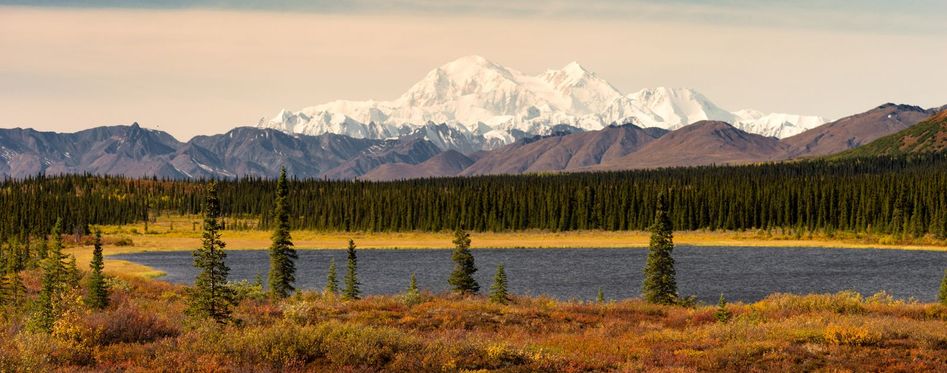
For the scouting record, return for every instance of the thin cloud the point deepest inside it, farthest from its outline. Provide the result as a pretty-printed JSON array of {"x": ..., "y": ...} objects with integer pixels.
[{"x": 873, "y": 16}]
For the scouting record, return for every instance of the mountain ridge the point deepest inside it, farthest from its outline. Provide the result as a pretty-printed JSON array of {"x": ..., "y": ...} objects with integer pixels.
[
  {"x": 491, "y": 102},
  {"x": 133, "y": 151}
]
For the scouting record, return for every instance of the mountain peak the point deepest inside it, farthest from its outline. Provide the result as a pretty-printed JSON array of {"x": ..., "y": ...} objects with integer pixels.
[
  {"x": 573, "y": 68},
  {"x": 472, "y": 59},
  {"x": 498, "y": 104},
  {"x": 468, "y": 64}
]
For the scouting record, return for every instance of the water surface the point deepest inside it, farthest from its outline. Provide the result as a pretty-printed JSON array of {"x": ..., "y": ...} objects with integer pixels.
[{"x": 740, "y": 273}]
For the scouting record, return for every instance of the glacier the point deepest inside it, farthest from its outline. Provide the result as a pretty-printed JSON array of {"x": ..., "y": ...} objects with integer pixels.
[{"x": 485, "y": 105}]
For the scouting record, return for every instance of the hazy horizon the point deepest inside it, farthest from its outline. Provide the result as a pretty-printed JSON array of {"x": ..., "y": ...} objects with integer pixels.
[{"x": 203, "y": 67}]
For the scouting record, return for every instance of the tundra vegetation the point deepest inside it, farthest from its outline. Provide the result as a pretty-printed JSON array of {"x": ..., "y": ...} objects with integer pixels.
[{"x": 58, "y": 317}]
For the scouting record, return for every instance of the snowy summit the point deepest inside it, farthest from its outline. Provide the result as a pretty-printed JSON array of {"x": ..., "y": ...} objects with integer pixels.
[{"x": 486, "y": 105}]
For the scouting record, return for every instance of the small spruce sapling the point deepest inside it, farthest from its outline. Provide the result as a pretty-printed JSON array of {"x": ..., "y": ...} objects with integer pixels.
[
  {"x": 412, "y": 296},
  {"x": 722, "y": 314},
  {"x": 498, "y": 291},
  {"x": 332, "y": 281},
  {"x": 942, "y": 296}
]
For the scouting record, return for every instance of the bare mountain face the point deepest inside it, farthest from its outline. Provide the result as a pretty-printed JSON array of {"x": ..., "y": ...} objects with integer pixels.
[
  {"x": 568, "y": 152},
  {"x": 701, "y": 143},
  {"x": 928, "y": 136},
  {"x": 117, "y": 150},
  {"x": 137, "y": 152},
  {"x": 855, "y": 130},
  {"x": 448, "y": 163}
]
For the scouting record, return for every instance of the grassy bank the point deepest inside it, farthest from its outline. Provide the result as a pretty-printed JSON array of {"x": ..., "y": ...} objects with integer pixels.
[{"x": 145, "y": 329}]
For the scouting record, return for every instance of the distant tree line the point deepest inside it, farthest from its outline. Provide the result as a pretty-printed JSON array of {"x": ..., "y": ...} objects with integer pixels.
[{"x": 890, "y": 195}]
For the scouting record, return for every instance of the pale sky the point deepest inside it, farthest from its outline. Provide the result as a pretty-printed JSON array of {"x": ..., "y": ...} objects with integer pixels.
[{"x": 203, "y": 67}]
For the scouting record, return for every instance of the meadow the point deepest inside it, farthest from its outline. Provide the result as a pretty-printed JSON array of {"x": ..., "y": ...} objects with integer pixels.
[{"x": 145, "y": 329}]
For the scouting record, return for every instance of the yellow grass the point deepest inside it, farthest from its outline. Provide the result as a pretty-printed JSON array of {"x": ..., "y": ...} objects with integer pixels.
[{"x": 176, "y": 233}]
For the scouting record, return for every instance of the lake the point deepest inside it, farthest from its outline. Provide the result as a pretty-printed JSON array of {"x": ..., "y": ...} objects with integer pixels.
[{"x": 740, "y": 273}]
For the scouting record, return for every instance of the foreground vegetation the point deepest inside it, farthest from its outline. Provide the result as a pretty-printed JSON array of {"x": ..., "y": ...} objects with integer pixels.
[{"x": 145, "y": 328}]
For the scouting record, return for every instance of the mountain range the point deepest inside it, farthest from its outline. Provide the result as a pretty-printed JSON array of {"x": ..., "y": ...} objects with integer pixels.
[
  {"x": 485, "y": 105},
  {"x": 134, "y": 151}
]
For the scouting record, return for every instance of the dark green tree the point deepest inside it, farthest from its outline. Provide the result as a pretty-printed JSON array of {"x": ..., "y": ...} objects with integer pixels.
[
  {"x": 282, "y": 254},
  {"x": 659, "y": 284},
  {"x": 351, "y": 275},
  {"x": 56, "y": 279},
  {"x": 498, "y": 291},
  {"x": 211, "y": 297},
  {"x": 722, "y": 314},
  {"x": 461, "y": 279},
  {"x": 98, "y": 295},
  {"x": 12, "y": 291},
  {"x": 942, "y": 296},
  {"x": 332, "y": 282},
  {"x": 413, "y": 295},
  {"x": 413, "y": 286}
]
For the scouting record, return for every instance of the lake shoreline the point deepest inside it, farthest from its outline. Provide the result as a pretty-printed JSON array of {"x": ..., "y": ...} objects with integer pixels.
[{"x": 162, "y": 236}]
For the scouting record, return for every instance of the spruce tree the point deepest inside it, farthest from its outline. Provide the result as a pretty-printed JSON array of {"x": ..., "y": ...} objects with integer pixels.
[
  {"x": 722, "y": 314},
  {"x": 660, "y": 285},
  {"x": 332, "y": 282},
  {"x": 461, "y": 279},
  {"x": 211, "y": 296},
  {"x": 12, "y": 291},
  {"x": 600, "y": 297},
  {"x": 412, "y": 296},
  {"x": 98, "y": 296},
  {"x": 351, "y": 277},
  {"x": 54, "y": 282},
  {"x": 942, "y": 296},
  {"x": 42, "y": 251},
  {"x": 413, "y": 286},
  {"x": 498, "y": 292},
  {"x": 282, "y": 254}
]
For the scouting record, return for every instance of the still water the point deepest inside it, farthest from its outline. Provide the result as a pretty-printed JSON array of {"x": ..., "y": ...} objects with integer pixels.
[{"x": 740, "y": 273}]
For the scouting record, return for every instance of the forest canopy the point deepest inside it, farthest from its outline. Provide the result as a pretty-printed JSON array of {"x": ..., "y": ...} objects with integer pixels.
[{"x": 896, "y": 195}]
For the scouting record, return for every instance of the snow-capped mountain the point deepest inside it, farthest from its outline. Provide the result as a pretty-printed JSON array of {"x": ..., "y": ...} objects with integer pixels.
[{"x": 489, "y": 105}]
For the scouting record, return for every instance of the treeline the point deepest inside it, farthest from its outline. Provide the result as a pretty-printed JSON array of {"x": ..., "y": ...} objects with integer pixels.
[{"x": 892, "y": 195}]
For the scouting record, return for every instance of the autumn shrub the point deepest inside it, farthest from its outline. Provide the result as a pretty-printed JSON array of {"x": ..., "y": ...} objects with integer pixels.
[
  {"x": 124, "y": 241},
  {"x": 844, "y": 302},
  {"x": 353, "y": 345},
  {"x": 280, "y": 346},
  {"x": 128, "y": 323},
  {"x": 851, "y": 335},
  {"x": 246, "y": 290}
]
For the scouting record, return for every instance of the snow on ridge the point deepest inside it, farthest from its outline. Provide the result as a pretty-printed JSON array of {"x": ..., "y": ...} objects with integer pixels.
[{"x": 478, "y": 97}]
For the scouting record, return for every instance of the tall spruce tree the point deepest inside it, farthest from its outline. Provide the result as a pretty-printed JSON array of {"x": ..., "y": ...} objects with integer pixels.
[
  {"x": 98, "y": 295},
  {"x": 211, "y": 296},
  {"x": 461, "y": 279},
  {"x": 55, "y": 280},
  {"x": 282, "y": 254},
  {"x": 498, "y": 291},
  {"x": 351, "y": 276},
  {"x": 332, "y": 281},
  {"x": 660, "y": 285}
]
